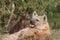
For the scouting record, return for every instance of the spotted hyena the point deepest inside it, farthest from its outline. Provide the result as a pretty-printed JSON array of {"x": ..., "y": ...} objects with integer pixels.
[
  {"x": 38, "y": 30},
  {"x": 41, "y": 24}
]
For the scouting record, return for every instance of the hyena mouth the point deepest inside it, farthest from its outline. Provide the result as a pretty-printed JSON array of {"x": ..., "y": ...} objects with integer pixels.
[{"x": 32, "y": 23}]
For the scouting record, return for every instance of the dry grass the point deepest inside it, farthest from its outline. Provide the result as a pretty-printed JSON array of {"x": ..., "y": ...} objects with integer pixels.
[{"x": 55, "y": 35}]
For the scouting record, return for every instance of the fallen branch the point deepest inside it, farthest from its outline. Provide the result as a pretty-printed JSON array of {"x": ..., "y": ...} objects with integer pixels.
[{"x": 13, "y": 8}]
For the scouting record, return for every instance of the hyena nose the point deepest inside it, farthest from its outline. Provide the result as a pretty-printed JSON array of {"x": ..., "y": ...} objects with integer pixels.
[{"x": 32, "y": 22}]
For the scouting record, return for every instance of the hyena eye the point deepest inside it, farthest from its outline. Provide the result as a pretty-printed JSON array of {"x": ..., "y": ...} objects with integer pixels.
[
  {"x": 44, "y": 18},
  {"x": 37, "y": 20}
]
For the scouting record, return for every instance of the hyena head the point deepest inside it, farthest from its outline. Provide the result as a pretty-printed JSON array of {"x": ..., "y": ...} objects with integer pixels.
[
  {"x": 26, "y": 16},
  {"x": 38, "y": 20},
  {"x": 41, "y": 23}
]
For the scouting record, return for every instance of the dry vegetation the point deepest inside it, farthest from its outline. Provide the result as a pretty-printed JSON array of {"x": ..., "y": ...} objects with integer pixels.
[{"x": 55, "y": 35}]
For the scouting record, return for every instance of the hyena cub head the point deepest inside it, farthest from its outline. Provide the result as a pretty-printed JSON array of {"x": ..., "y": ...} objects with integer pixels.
[{"x": 41, "y": 23}]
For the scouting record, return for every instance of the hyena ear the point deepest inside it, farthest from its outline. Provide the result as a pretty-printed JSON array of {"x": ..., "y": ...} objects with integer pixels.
[
  {"x": 45, "y": 18},
  {"x": 34, "y": 13}
]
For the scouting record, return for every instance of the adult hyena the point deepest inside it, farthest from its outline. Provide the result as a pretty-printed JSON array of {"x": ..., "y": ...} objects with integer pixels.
[
  {"x": 41, "y": 24},
  {"x": 38, "y": 30}
]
